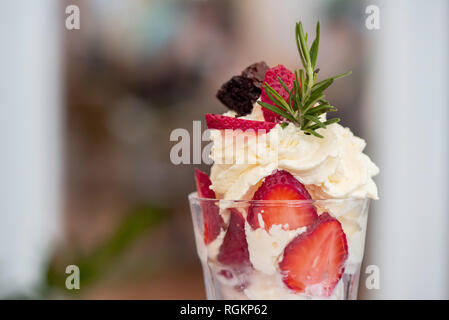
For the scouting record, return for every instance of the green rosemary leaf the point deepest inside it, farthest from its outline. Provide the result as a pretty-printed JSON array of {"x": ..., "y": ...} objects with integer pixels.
[
  {"x": 284, "y": 85},
  {"x": 316, "y": 134},
  {"x": 316, "y": 120},
  {"x": 315, "y": 45},
  {"x": 301, "y": 78},
  {"x": 341, "y": 75},
  {"x": 296, "y": 114},
  {"x": 294, "y": 96},
  {"x": 313, "y": 99},
  {"x": 304, "y": 47},
  {"x": 322, "y": 85},
  {"x": 332, "y": 78},
  {"x": 297, "y": 94},
  {"x": 298, "y": 44},
  {"x": 277, "y": 111},
  {"x": 273, "y": 95},
  {"x": 275, "y": 101},
  {"x": 326, "y": 123},
  {"x": 330, "y": 121},
  {"x": 288, "y": 91},
  {"x": 284, "y": 125},
  {"x": 297, "y": 89},
  {"x": 322, "y": 108}
]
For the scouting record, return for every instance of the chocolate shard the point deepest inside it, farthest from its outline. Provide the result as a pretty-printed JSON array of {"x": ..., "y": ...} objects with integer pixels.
[
  {"x": 256, "y": 72},
  {"x": 241, "y": 92}
]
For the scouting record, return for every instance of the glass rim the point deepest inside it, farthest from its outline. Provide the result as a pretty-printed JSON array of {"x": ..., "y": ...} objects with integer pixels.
[{"x": 194, "y": 196}]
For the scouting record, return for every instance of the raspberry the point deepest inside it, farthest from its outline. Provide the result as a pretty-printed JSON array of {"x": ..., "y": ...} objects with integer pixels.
[{"x": 271, "y": 78}]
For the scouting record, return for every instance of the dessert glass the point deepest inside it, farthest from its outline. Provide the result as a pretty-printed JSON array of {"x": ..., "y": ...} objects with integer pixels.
[{"x": 262, "y": 280}]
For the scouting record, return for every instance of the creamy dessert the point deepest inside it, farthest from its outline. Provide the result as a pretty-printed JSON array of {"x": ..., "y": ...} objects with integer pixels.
[{"x": 283, "y": 214}]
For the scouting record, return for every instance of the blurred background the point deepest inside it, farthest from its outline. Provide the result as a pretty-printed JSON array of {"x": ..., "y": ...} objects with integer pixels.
[{"x": 86, "y": 116}]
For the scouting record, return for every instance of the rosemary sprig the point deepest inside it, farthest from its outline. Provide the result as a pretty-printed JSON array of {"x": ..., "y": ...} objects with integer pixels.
[{"x": 306, "y": 100}]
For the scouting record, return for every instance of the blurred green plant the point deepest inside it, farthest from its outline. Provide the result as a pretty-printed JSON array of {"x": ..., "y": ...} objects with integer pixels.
[{"x": 137, "y": 223}]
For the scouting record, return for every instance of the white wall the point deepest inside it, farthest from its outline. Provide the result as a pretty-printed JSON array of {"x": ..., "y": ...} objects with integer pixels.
[
  {"x": 408, "y": 122},
  {"x": 30, "y": 113}
]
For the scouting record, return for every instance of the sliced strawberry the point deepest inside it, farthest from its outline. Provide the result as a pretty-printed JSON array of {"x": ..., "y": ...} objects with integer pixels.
[
  {"x": 213, "y": 222},
  {"x": 234, "y": 249},
  {"x": 314, "y": 261},
  {"x": 271, "y": 78},
  {"x": 281, "y": 185},
  {"x": 203, "y": 185},
  {"x": 216, "y": 121}
]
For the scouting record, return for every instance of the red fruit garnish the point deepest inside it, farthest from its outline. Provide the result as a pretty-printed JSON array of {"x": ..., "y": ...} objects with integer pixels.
[
  {"x": 271, "y": 78},
  {"x": 203, "y": 185},
  {"x": 216, "y": 121},
  {"x": 213, "y": 222},
  {"x": 281, "y": 185},
  {"x": 234, "y": 249},
  {"x": 316, "y": 258}
]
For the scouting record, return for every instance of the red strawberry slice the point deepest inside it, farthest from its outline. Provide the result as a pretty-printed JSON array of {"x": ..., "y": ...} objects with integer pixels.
[
  {"x": 314, "y": 261},
  {"x": 216, "y": 121},
  {"x": 281, "y": 185},
  {"x": 234, "y": 249},
  {"x": 203, "y": 185},
  {"x": 271, "y": 78},
  {"x": 213, "y": 222}
]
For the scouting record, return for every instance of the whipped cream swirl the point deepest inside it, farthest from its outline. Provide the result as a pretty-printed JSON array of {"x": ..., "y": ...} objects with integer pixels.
[{"x": 330, "y": 167}]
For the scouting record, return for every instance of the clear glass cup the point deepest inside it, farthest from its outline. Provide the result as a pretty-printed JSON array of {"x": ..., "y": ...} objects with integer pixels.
[{"x": 262, "y": 278}]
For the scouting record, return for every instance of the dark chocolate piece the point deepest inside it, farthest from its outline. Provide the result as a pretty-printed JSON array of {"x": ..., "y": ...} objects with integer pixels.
[{"x": 239, "y": 94}]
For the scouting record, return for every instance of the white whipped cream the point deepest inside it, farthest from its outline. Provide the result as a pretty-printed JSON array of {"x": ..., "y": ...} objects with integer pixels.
[
  {"x": 265, "y": 248},
  {"x": 330, "y": 167},
  {"x": 271, "y": 287}
]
